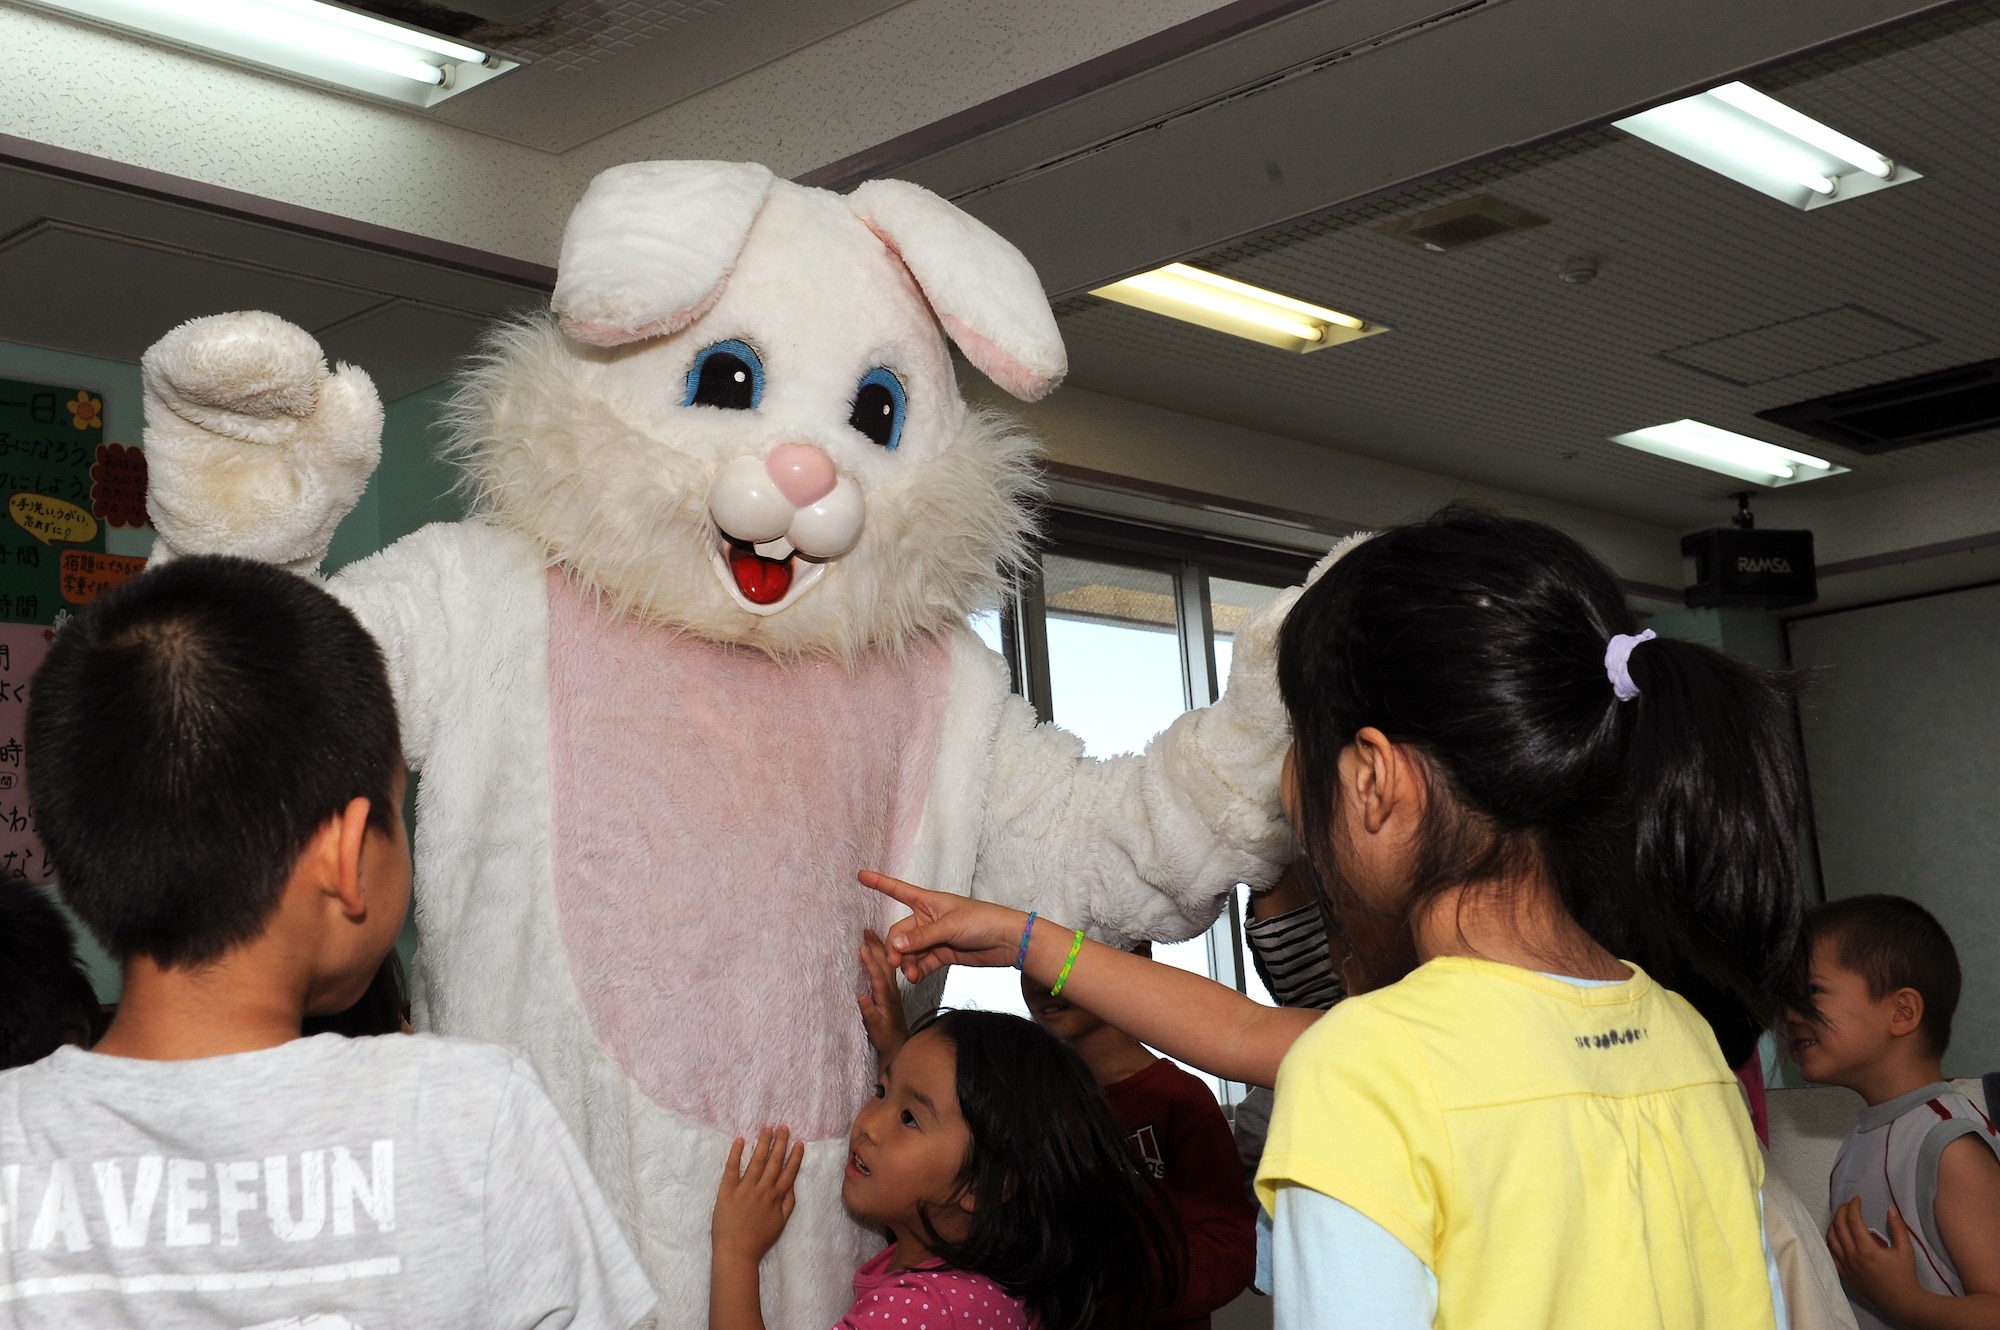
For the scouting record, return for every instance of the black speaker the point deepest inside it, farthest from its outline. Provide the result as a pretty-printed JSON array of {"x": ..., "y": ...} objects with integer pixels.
[{"x": 1752, "y": 570}]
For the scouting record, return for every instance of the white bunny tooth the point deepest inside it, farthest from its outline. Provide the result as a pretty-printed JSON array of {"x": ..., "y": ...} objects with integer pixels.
[
  {"x": 774, "y": 549},
  {"x": 745, "y": 502},
  {"x": 829, "y": 528}
]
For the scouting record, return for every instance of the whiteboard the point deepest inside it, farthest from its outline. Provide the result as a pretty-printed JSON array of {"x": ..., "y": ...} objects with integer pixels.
[{"x": 1902, "y": 744}]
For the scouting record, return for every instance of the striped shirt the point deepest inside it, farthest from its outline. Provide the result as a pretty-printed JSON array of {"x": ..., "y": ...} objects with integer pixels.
[{"x": 1292, "y": 958}]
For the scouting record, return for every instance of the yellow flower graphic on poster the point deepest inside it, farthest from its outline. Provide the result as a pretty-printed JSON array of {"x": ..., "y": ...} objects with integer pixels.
[{"x": 86, "y": 412}]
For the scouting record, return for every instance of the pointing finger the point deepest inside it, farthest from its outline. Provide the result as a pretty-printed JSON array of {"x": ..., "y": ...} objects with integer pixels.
[{"x": 908, "y": 893}]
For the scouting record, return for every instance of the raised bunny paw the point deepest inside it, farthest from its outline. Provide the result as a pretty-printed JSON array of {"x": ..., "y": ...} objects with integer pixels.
[{"x": 253, "y": 448}]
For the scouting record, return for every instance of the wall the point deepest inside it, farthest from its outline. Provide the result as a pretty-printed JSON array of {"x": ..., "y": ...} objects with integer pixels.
[
  {"x": 1902, "y": 735},
  {"x": 1751, "y": 635},
  {"x": 124, "y": 420},
  {"x": 411, "y": 488}
]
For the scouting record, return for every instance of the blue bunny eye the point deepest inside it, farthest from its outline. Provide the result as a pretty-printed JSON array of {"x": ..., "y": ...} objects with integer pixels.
[
  {"x": 879, "y": 407},
  {"x": 728, "y": 375}
]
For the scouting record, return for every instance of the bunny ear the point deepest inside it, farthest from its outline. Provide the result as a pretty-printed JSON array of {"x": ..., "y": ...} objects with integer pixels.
[
  {"x": 983, "y": 290},
  {"x": 650, "y": 245}
]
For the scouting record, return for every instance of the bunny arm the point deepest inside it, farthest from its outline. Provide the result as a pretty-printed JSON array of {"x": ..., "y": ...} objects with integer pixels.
[
  {"x": 253, "y": 448},
  {"x": 1143, "y": 846}
]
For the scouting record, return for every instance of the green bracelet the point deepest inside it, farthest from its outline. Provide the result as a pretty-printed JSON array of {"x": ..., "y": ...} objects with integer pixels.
[{"x": 1068, "y": 965}]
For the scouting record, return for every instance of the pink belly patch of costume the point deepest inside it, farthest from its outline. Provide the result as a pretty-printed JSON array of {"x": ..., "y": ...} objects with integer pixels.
[{"x": 711, "y": 808}]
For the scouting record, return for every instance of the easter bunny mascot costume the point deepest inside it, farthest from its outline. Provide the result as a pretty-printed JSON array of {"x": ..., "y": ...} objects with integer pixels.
[{"x": 702, "y": 652}]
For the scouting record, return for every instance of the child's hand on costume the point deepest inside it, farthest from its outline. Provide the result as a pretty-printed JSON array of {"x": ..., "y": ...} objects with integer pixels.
[
  {"x": 882, "y": 1006},
  {"x": 1885, "y": 1275},
  {"x": 945, "y": 929},
  {"x": 753, "y": 1203}
]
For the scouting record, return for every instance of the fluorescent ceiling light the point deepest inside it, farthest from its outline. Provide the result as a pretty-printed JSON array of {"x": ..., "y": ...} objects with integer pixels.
[
  {"x": 1736, "y": 455},
  {"x": 1756, "y": 140},
  {"x": 322, "y": 42},
  {"x": 1213, "y": 301}
]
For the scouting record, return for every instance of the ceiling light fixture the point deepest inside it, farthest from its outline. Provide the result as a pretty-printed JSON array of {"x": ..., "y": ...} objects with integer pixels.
[
  {"x": 322, "y": 42},
  {"x": 1732, "y": 454},
  {"x": 1213, "y": 301},
  {"x": 1756, "y": 140}
]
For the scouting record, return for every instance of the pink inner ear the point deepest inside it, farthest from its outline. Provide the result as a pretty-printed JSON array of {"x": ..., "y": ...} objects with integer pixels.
[
  {"x": 1010, "y": 374},
  {"x": 599, "y": 333},
  {"x": 602, "y": 332},
  {"x": 1016, "y": 378}
]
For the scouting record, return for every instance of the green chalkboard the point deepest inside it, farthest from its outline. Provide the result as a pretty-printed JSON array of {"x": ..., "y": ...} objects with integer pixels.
[{"x": 61, "y": 486}]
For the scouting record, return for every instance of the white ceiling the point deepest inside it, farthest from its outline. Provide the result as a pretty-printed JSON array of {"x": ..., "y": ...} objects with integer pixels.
[
  {"x": 1711, "y": 300},
  {"x": 591, "y": 66},
  {"x": 1497, "y": 371}
]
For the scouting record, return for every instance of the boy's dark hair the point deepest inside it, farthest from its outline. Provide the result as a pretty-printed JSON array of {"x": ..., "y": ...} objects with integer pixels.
[
  {"x": 1667, "y": 823},
  {"x": 1066, "y": 1219},
  {"x": 1894, "y": 943},
  {"x": 44, "y": 992},
  {"x": 188, "y": 733}
]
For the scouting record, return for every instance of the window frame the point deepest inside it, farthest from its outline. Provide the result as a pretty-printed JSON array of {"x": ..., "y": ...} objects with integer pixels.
[{"x": 1191, "y": 559}]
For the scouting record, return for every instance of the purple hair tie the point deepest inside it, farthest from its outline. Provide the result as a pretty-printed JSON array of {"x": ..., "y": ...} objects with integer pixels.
[{"x": 1617, "y": 663}]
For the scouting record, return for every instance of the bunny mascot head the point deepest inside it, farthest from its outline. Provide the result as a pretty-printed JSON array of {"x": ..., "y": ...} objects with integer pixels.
[
  {"x": 712, "y": 402},
  {"x": 701, "y": 653}
]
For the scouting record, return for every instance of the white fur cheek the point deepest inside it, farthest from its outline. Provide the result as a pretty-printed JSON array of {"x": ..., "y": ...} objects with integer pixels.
[
  {"x": 831, "y": 527},
  {"x": 745, "y": 503}
]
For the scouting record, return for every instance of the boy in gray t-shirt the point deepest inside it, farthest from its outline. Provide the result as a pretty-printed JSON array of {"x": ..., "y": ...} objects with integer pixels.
[
  {"x": 1916, "y": 1188},
  {"x": 214, "y": 765}
]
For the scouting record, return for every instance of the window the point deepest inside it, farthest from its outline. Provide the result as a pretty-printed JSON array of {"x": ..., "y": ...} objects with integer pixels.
[{"x": 1121, "y": 631}]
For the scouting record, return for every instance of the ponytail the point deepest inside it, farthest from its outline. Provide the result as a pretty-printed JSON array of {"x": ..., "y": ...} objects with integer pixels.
[
  {"x": 1666, "y": 823},
  {"x": 1716, "y": 793}
]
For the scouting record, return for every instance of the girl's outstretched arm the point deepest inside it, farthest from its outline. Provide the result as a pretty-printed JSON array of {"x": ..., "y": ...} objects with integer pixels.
[{"x": 1184, "y": 1015}]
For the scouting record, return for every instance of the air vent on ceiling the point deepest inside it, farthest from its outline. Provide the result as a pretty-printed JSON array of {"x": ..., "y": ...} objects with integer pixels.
[
  {"x": 1923, "y": 409},
  {"x": 1457, "y": 225}
]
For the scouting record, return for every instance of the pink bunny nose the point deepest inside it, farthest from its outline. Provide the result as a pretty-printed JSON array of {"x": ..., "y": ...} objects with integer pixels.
[{"x": 803, "y": 473}]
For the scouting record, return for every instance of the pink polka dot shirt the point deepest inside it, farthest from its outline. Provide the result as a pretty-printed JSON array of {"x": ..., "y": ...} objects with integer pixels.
[{"x": 927, "y": 1298}]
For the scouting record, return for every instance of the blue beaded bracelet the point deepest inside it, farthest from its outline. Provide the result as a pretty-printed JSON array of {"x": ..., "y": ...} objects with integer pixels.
[{"x": 1026, "y": 933}]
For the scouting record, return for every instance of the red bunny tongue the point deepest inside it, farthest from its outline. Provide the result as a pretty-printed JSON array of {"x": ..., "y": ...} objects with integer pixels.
[{"x": 762, "y": 581}]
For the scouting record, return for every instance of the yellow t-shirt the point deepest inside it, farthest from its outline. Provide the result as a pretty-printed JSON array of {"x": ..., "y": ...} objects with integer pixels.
[{"x": 1557, "y": 1156}]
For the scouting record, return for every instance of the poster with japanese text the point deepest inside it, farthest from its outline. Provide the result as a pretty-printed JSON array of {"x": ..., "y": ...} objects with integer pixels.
[{"x": 62, "y": 486}]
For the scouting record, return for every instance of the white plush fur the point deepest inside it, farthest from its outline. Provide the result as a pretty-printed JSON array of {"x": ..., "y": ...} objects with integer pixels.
[
  {"x": 460, "y": 613},
  {"x": 253, "y": 446},
  {"x": 582, "y": 457},
  {"x": 983, "y": 289},
  {"x": 650, "y": 244}
]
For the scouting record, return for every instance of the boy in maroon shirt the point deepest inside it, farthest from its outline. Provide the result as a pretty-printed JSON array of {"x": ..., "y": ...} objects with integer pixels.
[{"x": 1183, "y": 1137}]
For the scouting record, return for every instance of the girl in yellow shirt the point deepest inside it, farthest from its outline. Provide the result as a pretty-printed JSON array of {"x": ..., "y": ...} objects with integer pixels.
[{"x": 1501, "y": 788}]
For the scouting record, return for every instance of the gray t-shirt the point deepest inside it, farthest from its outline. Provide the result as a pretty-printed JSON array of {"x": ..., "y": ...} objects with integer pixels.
[{"x": 326, "y": 1184}]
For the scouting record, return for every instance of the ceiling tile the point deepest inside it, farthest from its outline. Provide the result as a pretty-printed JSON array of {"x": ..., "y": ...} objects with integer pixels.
[
  {"x": 1823, "y": 340},
  {"x": 1497, "y": 371}
]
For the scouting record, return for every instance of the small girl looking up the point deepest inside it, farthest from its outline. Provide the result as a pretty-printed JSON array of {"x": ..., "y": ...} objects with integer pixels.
[
  {"x": 1560, "y": 854},
  {"x": 1011, "y": 1197}
]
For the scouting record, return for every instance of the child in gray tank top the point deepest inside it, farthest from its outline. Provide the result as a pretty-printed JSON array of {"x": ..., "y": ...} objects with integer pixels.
[
  {"x": 1916, "y": 1188},
  {"x": 215, "y": 767}
]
